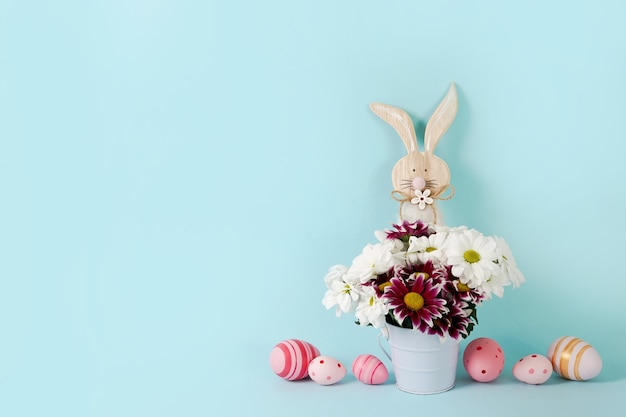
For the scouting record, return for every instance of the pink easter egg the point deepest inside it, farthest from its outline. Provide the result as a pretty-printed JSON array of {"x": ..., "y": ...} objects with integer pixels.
[
  {"x": 574, "y": 359},
  {"x": 533, "y": 369},
  {"x": 483, "y": 359},
  {"x": 326, "y": 370},
  {"x": 290, "y": 358},
  {"x": 369, "y": 370}
]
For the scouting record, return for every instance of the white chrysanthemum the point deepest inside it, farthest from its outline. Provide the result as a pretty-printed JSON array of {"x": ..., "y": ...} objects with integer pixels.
[
  {"x": 395, "y": 246},
  {"x": 427, "y": 248},
  {"x": 371, "y": 310},
  {"x": 335, "y": 273},
  {"x": 507, "y": 263},
  {"x": 340, "y": 293},
  {"x": 494, "y": 285},
  {"x": 439, "y": 228},
  {"x": 472, "y": 256},
  {"x": 375, "y": 259}
]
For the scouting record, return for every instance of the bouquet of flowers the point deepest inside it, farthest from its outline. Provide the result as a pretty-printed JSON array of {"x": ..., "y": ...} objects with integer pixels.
[{"x": 425, "y": 277}]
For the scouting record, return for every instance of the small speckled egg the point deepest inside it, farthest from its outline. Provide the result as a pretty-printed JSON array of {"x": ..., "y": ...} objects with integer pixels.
[
  {"x": 573, "y": 358},
  {"x": 483, "y": 359},
  {"x": 326, "y": 370},
  {"x": 290, "y": 358},
  {"x": 369, "y": 370},
  {"x": 533, "y": 369}
]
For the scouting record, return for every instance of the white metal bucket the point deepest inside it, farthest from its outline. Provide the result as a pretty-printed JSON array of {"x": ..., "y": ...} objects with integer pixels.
[{"x": 422, "y": 363}]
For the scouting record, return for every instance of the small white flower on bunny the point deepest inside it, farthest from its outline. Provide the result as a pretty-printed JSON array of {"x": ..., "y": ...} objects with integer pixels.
[{"x": 422, "y": 198}]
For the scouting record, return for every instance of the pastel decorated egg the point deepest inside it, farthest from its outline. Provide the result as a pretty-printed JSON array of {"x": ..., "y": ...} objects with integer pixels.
[
  {"x": 483, "y": 359},
  {"x": 533, "y": 369},
  {"x": 290, "y": 358},
  {"x": 573, "y": 358},
  {"x": 369, "y": 370},
  {"x": 326, "y": 370}
]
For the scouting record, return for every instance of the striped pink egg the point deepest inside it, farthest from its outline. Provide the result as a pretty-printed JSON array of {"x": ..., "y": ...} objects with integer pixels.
[
  {"x": 573, "y": 358},
  {"x": 290, "y": 359},
  {"x": 369, "y": 369}
]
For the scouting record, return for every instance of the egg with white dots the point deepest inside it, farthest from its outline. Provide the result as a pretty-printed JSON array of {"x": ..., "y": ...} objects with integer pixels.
[
  {"x": 534, "y": 369},
  {"x": 326, "y": 370},
  {"x": 574, "y": 359}
]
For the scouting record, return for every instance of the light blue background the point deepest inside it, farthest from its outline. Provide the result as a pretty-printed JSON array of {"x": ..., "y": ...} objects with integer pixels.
[{"x": 178, "y": 176}]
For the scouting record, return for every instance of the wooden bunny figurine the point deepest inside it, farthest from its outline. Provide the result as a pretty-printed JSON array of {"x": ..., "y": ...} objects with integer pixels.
[{"x": 420, "y": 178}]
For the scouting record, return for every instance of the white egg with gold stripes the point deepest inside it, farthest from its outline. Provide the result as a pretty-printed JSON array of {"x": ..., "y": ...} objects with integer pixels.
[{"x": 574, "y": 359}]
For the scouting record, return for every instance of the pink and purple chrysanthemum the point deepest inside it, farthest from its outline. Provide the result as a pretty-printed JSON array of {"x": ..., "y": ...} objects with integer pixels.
[
  {"x": 460, "y": 292},
  {"x": 455, "y": 324},
  {"x": 382, "y": 281},
  {"x": 416, "y": 299},
  {"x": 405, "y": 230},
  {"x": 409, "y": 269}
]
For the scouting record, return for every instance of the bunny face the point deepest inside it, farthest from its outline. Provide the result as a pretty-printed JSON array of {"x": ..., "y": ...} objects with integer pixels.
[{"x": 418, "y": 171}]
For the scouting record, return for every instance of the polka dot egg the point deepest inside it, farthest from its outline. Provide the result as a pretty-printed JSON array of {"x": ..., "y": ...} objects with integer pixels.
[
  {"x": 533, "y": 369},
  {"x": 290, "y": 358},
  {"x": 326, "y": 370},
  {"x": 483, "y": 359}
]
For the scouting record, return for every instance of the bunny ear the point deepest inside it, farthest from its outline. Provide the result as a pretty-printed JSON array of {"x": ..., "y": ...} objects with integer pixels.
[
  {"x": 441, "y": 120},
  {"x": 400, "y": 121}
]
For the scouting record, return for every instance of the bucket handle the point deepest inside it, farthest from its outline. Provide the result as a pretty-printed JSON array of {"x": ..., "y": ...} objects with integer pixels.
[{"x": 385, "y": 333}]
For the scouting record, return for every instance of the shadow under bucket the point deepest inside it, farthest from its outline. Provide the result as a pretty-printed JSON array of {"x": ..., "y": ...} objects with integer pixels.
[{"x": 422, "y": 363}]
